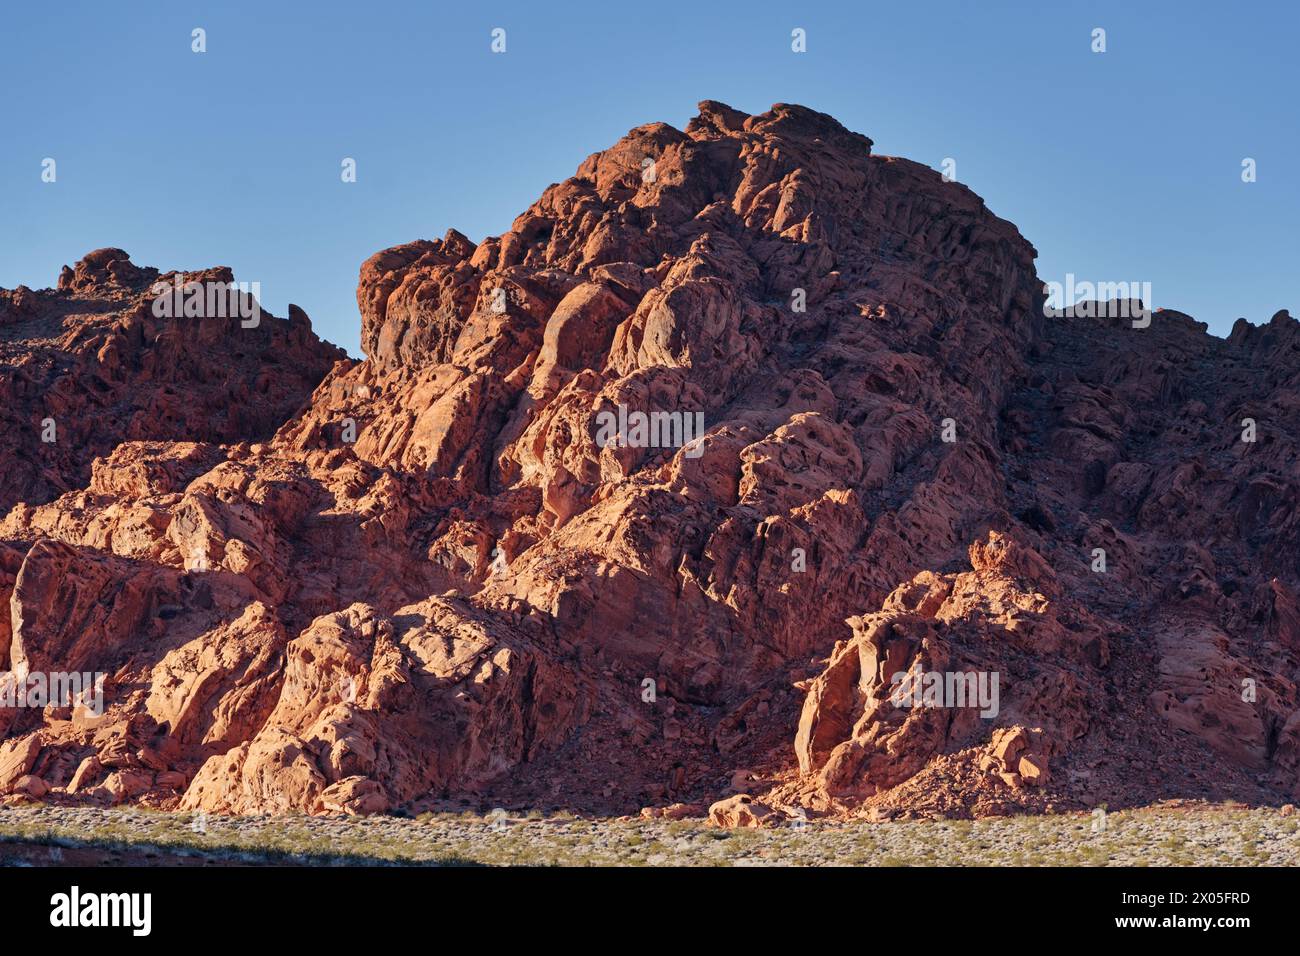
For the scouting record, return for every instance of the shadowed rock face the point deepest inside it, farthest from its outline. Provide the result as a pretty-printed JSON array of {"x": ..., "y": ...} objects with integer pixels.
[
  {"x": 440, "y": 581},
  {"x": 91, "y": 364}
]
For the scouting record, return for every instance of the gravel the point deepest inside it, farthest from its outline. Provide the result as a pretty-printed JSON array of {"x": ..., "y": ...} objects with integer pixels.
[{"x": 1203, "y": 835}]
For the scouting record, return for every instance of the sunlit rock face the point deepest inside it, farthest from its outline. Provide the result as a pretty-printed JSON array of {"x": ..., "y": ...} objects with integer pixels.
[{"x": 655, "y": 499}]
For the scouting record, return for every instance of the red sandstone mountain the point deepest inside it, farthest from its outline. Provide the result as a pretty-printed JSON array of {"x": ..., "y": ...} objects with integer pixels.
[{"x": 432, "y": 583}]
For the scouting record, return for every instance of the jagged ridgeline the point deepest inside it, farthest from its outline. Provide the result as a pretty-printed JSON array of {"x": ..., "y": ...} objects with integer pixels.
[{"x": 746, "y": 461}]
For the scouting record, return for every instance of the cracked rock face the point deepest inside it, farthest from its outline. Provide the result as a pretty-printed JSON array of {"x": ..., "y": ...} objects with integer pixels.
[{"x": 849, "y": 446}]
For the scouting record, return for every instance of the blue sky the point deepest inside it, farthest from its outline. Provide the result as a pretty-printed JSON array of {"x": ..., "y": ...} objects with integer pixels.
[{"x": 1118, "y": 166}]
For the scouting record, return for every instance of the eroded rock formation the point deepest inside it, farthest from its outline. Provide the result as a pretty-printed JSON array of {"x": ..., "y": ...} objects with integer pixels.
[{"x": 430, "y": 579}]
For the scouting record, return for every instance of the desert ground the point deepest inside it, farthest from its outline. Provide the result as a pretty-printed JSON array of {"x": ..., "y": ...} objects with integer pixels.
[{"x": 1178, "y": 835}]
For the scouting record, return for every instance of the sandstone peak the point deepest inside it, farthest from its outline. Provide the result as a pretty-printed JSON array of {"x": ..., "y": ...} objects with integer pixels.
[{"x": 661, "y": 493}]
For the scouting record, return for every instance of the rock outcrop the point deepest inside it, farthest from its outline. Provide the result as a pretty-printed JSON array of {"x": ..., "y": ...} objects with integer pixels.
[
  {"x": 658, "y": 499},
  {"x": 92, "y": 364}
]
